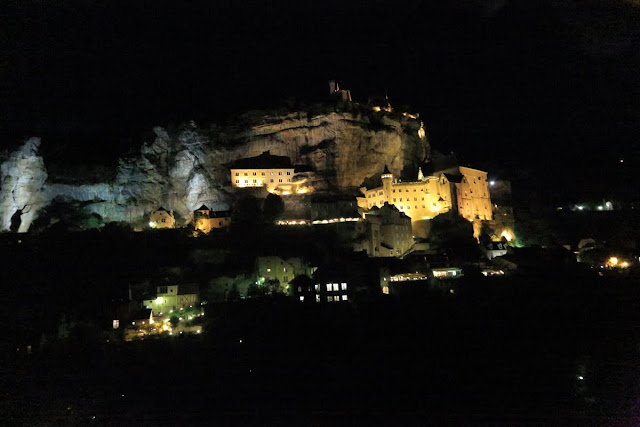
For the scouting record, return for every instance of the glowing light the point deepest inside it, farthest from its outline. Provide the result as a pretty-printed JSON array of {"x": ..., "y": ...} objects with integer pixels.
[
  {"x": 580, "y": 377},
  {"x": 613, "y": 261},
  {"x": 286, "y": 193},
  {"x": 376, "y": 108},
  {"x": 600, "y": 208},
  {"x": 507, "y": 235},
  {"x": 152, "y": 224},
  {"x": 159, "y": 300},
  {"x": 492, "y": 183},
  {"x": 624, "y": 264},
  {"x": 580, "y": 207}
]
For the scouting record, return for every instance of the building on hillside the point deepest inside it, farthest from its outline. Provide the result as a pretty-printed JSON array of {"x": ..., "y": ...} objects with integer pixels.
[
  {"x": 265, "y": 170},
  {"x": 281, "y": 269},
  {"x": 388, "y": 232},
  {"x": 205, "y": 220},
  {"x": 160, "y": 218},
  {"x": 462, "y": 189},
  {"x": 171, "y": 298}
]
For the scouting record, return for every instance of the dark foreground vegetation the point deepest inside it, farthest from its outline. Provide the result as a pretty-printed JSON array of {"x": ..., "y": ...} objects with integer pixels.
[{"x": 552, "y": 350}]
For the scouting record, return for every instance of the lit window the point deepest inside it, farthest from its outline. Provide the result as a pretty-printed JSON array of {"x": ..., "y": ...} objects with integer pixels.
[
  {"x": 317, "y": 288},
  {"x": 301, "y": 298},
  {"x": 336, "y": 298},
  {"x": 317, "y": 298},
  {"x": 335, "y": 286},
  {"x": 329, "y": 298},
  {"x": 328, "y": 287},
  {"x": 343, "y": 286},
  {"x": 344, "y": 297},
  {"x": 385, "y": 290}
]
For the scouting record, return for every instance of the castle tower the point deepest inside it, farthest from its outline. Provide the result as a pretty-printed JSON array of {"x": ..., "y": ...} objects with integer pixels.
[
  {"x": 387, "y": 181},
  {"x": 332, "y": 87}
]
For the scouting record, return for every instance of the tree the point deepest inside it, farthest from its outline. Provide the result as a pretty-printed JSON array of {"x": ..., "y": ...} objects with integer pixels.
[{"x": 273, "y": 208}]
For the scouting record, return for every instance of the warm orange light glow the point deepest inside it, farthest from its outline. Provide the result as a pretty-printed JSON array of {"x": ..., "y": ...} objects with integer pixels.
[
  {"x": 613, "y": 261},
  {"x": 507, "y": 235},
  {"x": 624, "y": 264}
]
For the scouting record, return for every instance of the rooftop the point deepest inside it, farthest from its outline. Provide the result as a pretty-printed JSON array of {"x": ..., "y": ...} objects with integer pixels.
[{"x": 264, "y": 161}]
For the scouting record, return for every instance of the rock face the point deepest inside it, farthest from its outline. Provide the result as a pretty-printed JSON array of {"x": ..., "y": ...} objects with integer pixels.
[
  {"x": 23, "y": 177},
  {"x": 183, "y": 171}
]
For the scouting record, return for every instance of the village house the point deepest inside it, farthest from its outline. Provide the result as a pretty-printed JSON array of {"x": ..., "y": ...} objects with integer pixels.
[
  {"x": 160, "y": 218},
  {"x": 283, "y": 270},
  {"x": 171, "y": 298},
  {"x": 205, "y": 220}
]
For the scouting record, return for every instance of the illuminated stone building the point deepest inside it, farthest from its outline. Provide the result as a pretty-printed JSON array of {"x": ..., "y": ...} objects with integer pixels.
[
  {"x": 274, "y": 173},
  {"x": 205, "y": 220},
  {"x": 388, "y": 232},
  {"x": 169, "y": 299},
  {"x": 462, "y": 189},
  {"x": 160, "y": 218},
  {"x": 265, "y": 170}
]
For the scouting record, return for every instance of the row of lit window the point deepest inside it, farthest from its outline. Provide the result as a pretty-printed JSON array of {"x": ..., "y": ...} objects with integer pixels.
[
  {"x": 263, "y": 173},
  {"x": 333, "y": 298},
  {"x": 334, "y": 287},
  {"x": 407, "y": 190},
  {"x": 255, "y": 181}
]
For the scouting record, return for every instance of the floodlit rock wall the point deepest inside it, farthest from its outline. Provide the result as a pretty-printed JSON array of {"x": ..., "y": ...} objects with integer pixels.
[{"x": 186, "y": 169}]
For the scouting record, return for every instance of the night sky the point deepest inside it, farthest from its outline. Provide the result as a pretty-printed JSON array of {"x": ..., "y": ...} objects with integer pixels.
[{"x": 542, "y": 92}]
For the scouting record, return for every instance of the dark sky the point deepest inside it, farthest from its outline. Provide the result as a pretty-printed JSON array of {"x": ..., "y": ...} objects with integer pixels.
[{"x": 538, "y": 91}]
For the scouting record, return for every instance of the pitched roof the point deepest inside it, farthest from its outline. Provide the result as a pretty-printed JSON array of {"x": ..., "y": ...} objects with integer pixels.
[
  {"x": 264, "y": 161},
  {"x": 203, "y": 208},
  {"x": 160, "y": 209}
]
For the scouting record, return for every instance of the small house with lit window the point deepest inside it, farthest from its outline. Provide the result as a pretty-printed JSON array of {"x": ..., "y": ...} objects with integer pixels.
[
  {"x": 205, "y": 220},
  {"x": 161, "y": 218}
]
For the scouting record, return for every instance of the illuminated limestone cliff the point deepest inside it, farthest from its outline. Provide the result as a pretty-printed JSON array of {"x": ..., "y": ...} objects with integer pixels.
[{"x": 184, "y": 170}]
